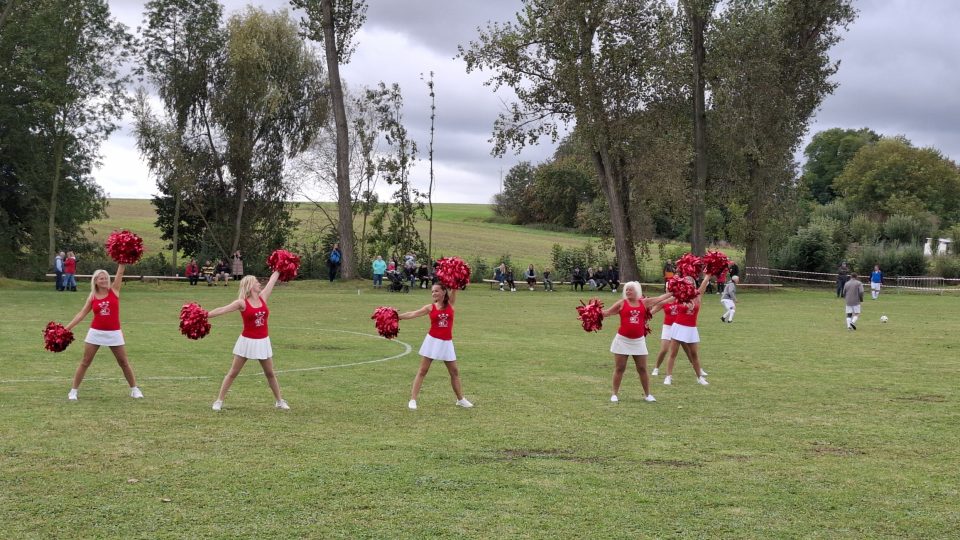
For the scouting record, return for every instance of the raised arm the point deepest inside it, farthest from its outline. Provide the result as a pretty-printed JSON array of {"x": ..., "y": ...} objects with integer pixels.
[
  {"x": 704, "y": 284},
  {"x": 236, "y": 305},
  {"x": 615, "y": 308},
  {"x": 268, "y": 288},
  {"x": 451, "y": 296},
  {"x": 82, "y": 313},
  {"x": 657, "y": 301},
  {"x": 414, "y": 314},
  {"x": 118, "y": 279}
]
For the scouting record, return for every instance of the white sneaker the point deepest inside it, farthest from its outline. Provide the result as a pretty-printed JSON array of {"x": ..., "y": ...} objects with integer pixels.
[
  {"x": 217, "y": 405},
  {"x": 513, "y": 290},
  {"x": 135, "y": 393},
  {"x": 650, "y": 398},
  {"x": 668, "y": 380},
  {"x": 655, "y": 372},
  {"x": 72, "y": 396},
  {"x": 282, "y": 405},
  {"x": 464, "y": 403},
  {"x": 412, "y": 404},
  {"x": 701, "y": 380},
  {"x": 614, "y": 399},
  {"x": 703, "y": 373}
]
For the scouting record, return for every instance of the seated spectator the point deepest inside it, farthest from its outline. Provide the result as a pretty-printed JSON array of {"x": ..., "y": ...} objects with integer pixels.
[
  {"x": 207, "y": 272},
  {"x": 613, "y": 276},
  {"x": 192, "y": 271},
  {"x": 591, "y": 278},
  {"x": 423, "y": 274},
  {"x": 508, "y": 277},
  {"x": 500, "y": 274},
  {"x": 600, "y": 276},
  {"x": 531, "y": 276},
  {"x": 547, "y": 283},
  {"x": 222, "y": 272},
  {"x": 576, "y": 278}
]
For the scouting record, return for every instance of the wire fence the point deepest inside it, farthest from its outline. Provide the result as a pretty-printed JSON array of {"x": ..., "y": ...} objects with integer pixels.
[{"x": 906, "y": 284}]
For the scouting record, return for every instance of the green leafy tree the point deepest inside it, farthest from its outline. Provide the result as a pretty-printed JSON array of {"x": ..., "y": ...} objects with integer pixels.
[
  {"x": 516, "y": 201},
  {"x": 827, "y": 154}
]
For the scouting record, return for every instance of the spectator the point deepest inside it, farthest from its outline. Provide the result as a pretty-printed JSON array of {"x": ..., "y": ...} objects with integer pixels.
[
  {"x": 591, "y": 279},
  {"x": 333, "y": 261},
  {"x": 500, "y": 274},
  {"x": 531, "y": 276},
  {"x": 69, "y": 271},
  {"x": 508, "y": 277},
  {"x": 843, "y": 274},
  {"x": 547, "y": 283},
  {"x": 207, "y": 271},
  {"x": 423, "y": 274},
  {"x": 576, "y": 278},
  {"x": 222, "y": 272},
  {"x": 600, "y": 276},
  {"x": 669, "y": 270},
  {"x": 236, "y": 265},
  {"x": 379, "y": 267},
  {"x": 734, "y": 270},
  {"x": 613, "y": 276},
  {"x": 58, "y": 269},
  {"x": 192, "y": 271},
  {"x": 392, "y": 265}
]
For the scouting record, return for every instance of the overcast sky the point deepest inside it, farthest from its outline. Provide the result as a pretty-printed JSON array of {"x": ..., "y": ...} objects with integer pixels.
[{"x": 898, "y": 76}]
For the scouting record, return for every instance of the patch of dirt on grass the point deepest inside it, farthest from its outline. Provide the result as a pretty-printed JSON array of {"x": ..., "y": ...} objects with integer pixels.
[
  {"x": 826, "y": 449},
  {"x": 925, "y": 398},
  {"x": 673, "y": 463}
]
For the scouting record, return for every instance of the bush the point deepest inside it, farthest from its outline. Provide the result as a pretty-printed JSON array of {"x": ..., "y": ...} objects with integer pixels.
[
  {"x": 812, "y": 249},
  {"x": 836, "y": 211},
  {"x": 894, "y": 259},
  {"x": 907, "y": 229},
  {"x": 946, "y": 266},
  {"x": 565, "y": 260},
  {"x": 479, "y": 269},
  {"x": 864, "y": 230}
]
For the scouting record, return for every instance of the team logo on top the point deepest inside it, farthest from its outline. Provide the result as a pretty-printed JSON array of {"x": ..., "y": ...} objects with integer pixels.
[
  {"x": 443, "y": 320},
  {"x": 104, "y": 308},
  {"x": 673, "y": 309},
  {"x": 259, "y": 319},
  {"x": 634, "y": 316}
]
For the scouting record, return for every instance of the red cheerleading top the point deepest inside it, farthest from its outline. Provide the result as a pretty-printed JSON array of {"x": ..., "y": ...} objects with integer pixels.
[
  {"x": 670, "y": 313},
  {"x": 687, "y": 315},
  {"x": 633, "y": 320},
  {"x": 441, "y": 322},
  {"x": 255, "y": 320},
  {"x": 70, "y": 266},
  {"x": 106, "y": 312}
]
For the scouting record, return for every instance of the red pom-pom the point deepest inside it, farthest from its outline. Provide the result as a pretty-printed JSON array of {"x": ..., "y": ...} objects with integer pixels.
[
  {"x": 284, "y": 262},
  {"x": 124, "y": 247},
  {"x": 56, "y": 337},
  {"x": 690, "y": 265},
  {"x": 682, "y": 290},
  {"x": 716, "y": 264},
  {"x": 591, "y": 315},
  {"x": 453, "y": 273},
  {"x": 193, "y": 321},
  {"x": 387, "y": 320}
]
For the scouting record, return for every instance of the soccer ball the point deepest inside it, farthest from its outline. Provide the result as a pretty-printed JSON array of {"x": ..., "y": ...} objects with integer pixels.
[{"x": 883, "y": 318}]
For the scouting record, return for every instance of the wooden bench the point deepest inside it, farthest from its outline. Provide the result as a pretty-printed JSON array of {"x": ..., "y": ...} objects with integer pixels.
[
  {"x": 148, "y": 279},
  {"x": 494, "y": 283}
]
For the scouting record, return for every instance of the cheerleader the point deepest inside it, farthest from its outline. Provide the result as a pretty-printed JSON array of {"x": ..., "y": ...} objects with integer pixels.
[
  {"x": 669, "y": 314},
  {"x": 438, "y": 345},
  {"x": 254, "y": 341},
  {"x": 630, "y": 339},
  {"x": 684, "y": 334},
  {"x": 104, "y": 301}
]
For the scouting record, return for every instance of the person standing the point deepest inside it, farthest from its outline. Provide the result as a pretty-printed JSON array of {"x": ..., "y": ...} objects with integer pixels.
[
  {"x": 379, "y": 267},
  {"x": 192, "y": 271},
  {"x": 669, "y": 314},
  {"x": 669, "y": 270},
  {"x": 734, "y": 270},
  {"x": 876, "y": 281},
  {"x": 104, "y": 301},
  {"x": 58, "y": 270},
  {"x": 729, "y": 299},
  {"x": 853, "y": 297},
  {"x": 69, "y": 271},
  {"x": 438, "y": 344},
  {"x": 254, "y": 340},
  {"x": 236, "y": 265},
  {"x": 630, "y": 339},
  {"x": 843, "y": 274},
  {"x": 684, "y": 334},
  {"x": 333, "y": 261}
]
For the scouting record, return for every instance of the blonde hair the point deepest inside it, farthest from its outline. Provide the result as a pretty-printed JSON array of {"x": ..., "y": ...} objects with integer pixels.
[
  {"x": 93, "y": 279},
  {"x": 632, "y": 284},
  {"x": 246, "y": 285}
]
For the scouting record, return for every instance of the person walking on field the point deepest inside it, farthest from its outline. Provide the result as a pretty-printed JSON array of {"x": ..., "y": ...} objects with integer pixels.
[
  {"x": 853, "y": 297},
  {"x": 630, "y": 339},
  {"x": 254, "y": 341},
  {"x": 876, "y": 281},
  {"x": 438, "y": 345},
  {"x": 729, "y": 299},
  {"x": 104, "y": 301}
]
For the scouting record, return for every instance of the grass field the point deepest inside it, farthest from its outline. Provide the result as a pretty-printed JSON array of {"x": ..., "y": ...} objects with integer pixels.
[
  {"x": 459, "y": 229},
  {"x": 807, "y": 429}
]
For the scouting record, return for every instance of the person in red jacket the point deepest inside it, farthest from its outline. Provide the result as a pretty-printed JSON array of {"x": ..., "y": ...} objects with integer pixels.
[
  {"x": 438, "y": 344},
  {"x": 254, "y": 341},
  {"x": 104, "y": 301},
  {"x": 69, "y": 271},
  {"x": 193, "y": 271},
  {"x": 630, "y": 339}
]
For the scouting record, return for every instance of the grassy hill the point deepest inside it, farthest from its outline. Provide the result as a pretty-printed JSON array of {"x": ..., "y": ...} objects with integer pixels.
[{"x": 458, "y": 229}]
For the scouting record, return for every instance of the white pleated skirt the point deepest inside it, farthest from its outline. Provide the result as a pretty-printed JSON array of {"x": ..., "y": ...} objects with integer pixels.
[
  {"x": 629, "y": 346},
  {"x": 665, "y": 332},
  {"x": 686, "y": 334},
  {"x": 438, "y": 349},
  {"x": 253, "y": 349},
  {"x": 108, "y": 338}
]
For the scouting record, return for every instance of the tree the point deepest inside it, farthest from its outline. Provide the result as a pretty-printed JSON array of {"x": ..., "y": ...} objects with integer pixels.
[
  {"x": 334, "y": 23},
  {"x": 515, "y": 201},
  {"x": 585, "y": 62},
  {"x": 894, "y": 177},
  {"x": 433, "y": 117},
  {"x": 827, "y": 154}
]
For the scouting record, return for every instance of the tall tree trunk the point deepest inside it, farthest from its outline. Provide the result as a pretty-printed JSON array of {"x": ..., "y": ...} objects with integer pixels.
[
  {"x": 176, "y": 229},
  {"x": 348, "y": 264},
  {"x": 51, "y": 218},
  {"x": 242, "y": 196},
  {"x": 613, "y": 189},
  {"x": 698, "y": 207},
  {"x": 757, "y": 254}
]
